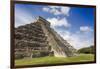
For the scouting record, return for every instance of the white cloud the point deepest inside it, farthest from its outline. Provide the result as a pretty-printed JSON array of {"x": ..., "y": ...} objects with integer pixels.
[
  {"x": 22, "y": 17},
  {"x": 56, "y": 10},
  {"x": 77, "y": 40},
  {"x": 46, "y": 9},
  {"x": 85, "y": 29},
  {"x": 59, "y": 22},
  {"x": 65, "y": 10}
]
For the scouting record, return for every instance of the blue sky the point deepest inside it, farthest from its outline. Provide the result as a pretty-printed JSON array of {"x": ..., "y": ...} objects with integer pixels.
[{"x": 74, "y": 24}]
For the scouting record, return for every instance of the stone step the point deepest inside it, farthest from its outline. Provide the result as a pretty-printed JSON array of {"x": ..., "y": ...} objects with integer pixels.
[{"x": 30, "y": 43}]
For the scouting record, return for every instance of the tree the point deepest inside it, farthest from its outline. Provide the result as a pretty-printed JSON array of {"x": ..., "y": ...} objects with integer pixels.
[{"x": 87, "y": 50}]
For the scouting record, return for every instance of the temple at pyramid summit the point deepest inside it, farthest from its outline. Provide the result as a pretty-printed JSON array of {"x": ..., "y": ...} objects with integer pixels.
[{"x": 38, "y": 39}]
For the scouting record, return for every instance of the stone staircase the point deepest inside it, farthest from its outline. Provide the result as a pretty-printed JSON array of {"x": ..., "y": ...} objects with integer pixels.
[{"x": 38, "y": 39}]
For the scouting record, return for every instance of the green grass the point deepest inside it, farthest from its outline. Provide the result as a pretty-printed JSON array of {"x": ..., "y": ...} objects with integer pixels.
[{"x": 55, "y": 60}]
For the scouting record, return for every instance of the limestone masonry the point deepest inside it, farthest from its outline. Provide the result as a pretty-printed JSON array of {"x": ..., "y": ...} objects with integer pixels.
[{"x": 38, "y": 39}]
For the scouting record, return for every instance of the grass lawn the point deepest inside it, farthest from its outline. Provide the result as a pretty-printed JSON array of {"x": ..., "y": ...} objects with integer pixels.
[{"x": 54, "y": 60}]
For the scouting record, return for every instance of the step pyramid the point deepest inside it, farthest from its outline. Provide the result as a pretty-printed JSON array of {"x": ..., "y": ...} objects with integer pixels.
[{"x": 38, "y": 39}]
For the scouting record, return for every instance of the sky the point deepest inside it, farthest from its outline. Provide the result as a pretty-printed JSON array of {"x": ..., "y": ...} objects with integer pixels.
[{"x": 74, "y": 24}]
